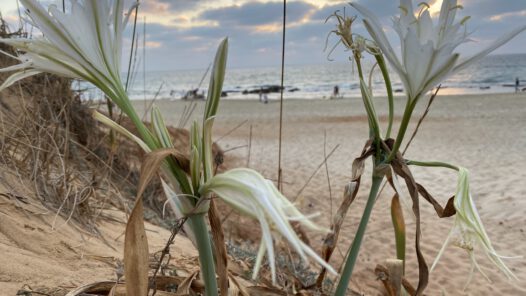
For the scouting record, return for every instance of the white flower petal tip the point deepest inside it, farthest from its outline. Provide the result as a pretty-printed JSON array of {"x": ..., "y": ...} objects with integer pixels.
[
  {"x": 427, "y": 48},
  {"x": 85, "y": 43},
  {"x": 251, "y": 194},
  {"x": 469, "y": 233}
]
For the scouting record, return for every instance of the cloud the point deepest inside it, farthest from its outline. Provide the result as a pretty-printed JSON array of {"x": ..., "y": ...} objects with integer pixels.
[
  {"x": 185, "y": 33},
  {"x": 254, "y": 14},
  {"x": 487, "y": 8},
  {"x": 504, "y": 16}
]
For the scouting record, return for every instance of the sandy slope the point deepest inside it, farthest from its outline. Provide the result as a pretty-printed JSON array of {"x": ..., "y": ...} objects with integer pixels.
[
  {"x": 33, "y": 254},
  {"x": 485, "y": 133}
]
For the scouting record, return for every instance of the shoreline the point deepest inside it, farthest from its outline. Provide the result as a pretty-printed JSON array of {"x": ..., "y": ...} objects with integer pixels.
[{"x": 273, "y": 97}]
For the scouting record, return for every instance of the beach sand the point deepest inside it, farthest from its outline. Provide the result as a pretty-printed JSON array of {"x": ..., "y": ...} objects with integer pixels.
[{"x": 484, "y": 133}]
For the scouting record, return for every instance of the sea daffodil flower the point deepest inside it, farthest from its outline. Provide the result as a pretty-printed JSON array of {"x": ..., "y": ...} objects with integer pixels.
[
  {"x": 85, "y": 43},
  {"x": 252, "y": 195},
  {"x": 352, "y": 41},
  {"x": 468, "y": 232},
  {"x": 428, "y": 49}
]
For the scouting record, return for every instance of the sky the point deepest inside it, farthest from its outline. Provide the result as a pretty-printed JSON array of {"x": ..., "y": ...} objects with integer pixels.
[{"x": 184, "y": 34}]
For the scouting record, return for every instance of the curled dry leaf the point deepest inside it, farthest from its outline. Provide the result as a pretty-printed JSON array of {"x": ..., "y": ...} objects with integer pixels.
[
  {"x": 403, "y": 171},
  {"x": 351, "y": 190}
]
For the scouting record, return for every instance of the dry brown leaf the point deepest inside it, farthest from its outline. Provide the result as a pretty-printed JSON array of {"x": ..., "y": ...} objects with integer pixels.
[
  {"x": 445, "y": 212},
  {"x": 219, "y": 246},
  {"x": 403, "y": 171},
  {"x": 185, "y": 287},
  {"x": 135, "y": 242},
  {"x": 383, "y": 274},
  {"x": 236, "y": 289},
  {"x": 97, "y": 287},
  {"x": 265, "y": 291},
  {"x": 136, "y": 252}
]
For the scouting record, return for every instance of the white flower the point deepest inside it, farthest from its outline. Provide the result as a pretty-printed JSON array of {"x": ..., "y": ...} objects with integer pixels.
[
  {"x": 428, "y": 49},
  {"x": 251, "y": 194},
  {"x": 468, "y": 231},
  {"x": 85, "y": 43}
]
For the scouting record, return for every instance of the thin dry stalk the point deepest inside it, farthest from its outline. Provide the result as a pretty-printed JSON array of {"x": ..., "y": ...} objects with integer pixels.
[{"x": 315, "y": 172}]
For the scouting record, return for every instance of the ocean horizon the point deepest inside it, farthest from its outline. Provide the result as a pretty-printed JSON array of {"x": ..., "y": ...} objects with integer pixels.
[{"x": 493, "y": 74}]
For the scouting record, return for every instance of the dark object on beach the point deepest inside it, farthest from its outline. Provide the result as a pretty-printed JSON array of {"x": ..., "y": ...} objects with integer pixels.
[
  {"x": 485, "y": 87},
  {"x": 263, "y": 97},
  {"x": 224, "y": 94},
  {"x": 517, "y": 83},
  {"x": 294, "y": 89},
  {"x": 398, "y": 90},
  {"x": 193, "y": 95},
  {"x": 523, "y": 89},
  {"x": 336, "y": 92},
  {"x": 265, "y": 89}
]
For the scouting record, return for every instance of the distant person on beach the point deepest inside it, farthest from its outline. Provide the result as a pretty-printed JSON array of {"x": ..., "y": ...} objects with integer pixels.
[
  {"x": 336, "y": 92},
  {"x": 263, "y": 96},
  {"x": 517, "y": 84}
]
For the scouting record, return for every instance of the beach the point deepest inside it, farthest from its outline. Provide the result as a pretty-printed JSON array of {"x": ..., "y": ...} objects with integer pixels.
[{"x": 484, "y": 133}]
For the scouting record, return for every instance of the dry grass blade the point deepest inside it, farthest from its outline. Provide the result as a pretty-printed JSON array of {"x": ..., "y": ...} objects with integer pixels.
[
  {"x": 315, "y": 171},
  {"x": 431, "y": 100},
  {"x": 166, "y": 251},
  {"x": 135, "y": 242}
]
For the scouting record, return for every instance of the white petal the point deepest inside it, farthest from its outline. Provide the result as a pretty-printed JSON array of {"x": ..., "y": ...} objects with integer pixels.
[
  {"x": 417, "y": 59},
  {"x": 447, "y": 14},
  {"x": 426, "y": 31},
  {"x": 375, "y": 29},
  {"x": 16, "y": 77},
  {"x": 317, "y": 258},
  {"x": 16, "y": 67},
  {"x": 437, "y": 74}
]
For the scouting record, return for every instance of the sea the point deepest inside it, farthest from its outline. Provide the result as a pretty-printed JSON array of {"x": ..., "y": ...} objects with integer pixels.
[{"x": 493, "y": 74}]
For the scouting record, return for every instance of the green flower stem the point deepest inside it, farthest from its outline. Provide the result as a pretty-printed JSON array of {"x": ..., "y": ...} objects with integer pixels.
[
  {"x": 409, "y": 107},
  {"x": 206, "y": 257},
  {"x": 357, "y": 242},
  {"x": 374, "y": 126},
  {"x": 385, "y": 73},
  {"x": 432, "y": 164}
]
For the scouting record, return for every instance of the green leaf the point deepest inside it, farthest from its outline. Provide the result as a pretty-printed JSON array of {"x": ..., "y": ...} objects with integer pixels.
[
  {"x": 120, "y": 129},
  {"x": 215, "y": 87},
  {"x": 159, "y": 127}
]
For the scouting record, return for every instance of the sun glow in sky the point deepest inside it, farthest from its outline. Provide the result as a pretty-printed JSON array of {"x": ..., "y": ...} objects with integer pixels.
[{"x": 434, "y": 8}]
